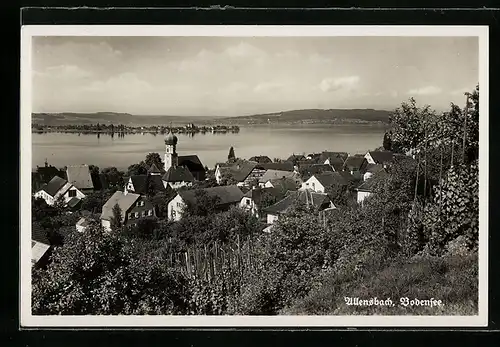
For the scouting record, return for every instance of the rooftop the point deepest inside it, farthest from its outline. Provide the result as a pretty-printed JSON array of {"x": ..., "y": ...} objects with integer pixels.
[
  {"x": 79, "y": 176},
  {"x": 125, "y": 201},
  {"x": 226, "y": 194},
  {"x": 304, "y": 196},
  {"x": 54, "y": 185}
]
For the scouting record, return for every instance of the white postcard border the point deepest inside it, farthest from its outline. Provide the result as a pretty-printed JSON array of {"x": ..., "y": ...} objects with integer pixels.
[{"x": 30, "y": 321}]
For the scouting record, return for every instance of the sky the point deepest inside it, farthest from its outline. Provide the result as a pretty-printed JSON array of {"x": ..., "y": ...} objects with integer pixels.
[{"x": 232, "y": 76}]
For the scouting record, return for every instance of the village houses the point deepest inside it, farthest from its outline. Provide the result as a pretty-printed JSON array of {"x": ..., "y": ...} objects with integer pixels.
[
  {"x": 133, "y": 208},
  {"x": 227, "y": 196},
  {"x": 319, "y": 201},
  {"x": 59, "y": 188}
]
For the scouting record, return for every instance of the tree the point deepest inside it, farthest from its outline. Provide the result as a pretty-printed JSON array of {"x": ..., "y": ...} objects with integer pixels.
[
  {"x": 231, "y": 156},
  {"x": 387, "y": 143},
  {"x": 114, "y": 177},
  {"x": 104, "y": 274},
  {"x": 137, "y": 169},
  {"x": 203, "y": 205},
  {"x": 153, "y": 158},
  {"x": 116, "y": 222}
]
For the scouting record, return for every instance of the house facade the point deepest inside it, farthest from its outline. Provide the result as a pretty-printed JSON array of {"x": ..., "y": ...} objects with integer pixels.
[
  {"x": 133, "y": 208},
  {"x": 319, "y": 201},
  {"x": 56, "y": 188},
  {"x": 227, "y": 196}
]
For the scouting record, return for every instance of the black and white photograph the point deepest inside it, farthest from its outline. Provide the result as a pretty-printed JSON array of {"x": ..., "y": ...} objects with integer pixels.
[{"x": 254, "y": 176}]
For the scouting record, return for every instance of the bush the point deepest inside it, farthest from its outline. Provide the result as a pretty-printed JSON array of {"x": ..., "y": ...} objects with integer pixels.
[{"x": 452, "y": 279}]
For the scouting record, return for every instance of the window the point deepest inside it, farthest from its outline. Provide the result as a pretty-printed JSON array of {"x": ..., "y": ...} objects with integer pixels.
[
  {"x": 150, "y": 212},
  {"x": 72, "y": 193},
  {"x": 173, "y": 213},
  {"x": 314, "y": 186},
  {"x": 140, "y": 203},
  {"x": 137, "y": 215},
  {"x": 179, "y": 204},
  {"x": 130, "y": 216},
  {"x": 248, "y": 201},
  {"x": 143, "y": 213}
]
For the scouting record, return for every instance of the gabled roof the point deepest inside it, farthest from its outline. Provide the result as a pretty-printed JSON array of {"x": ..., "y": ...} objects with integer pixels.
[
  {"x": 333, "y": 155},
  {"x": 284, "y": 184},
  {"x": 261, "y": 159},
  {"x": 276, "y": 174},
  {"x": 241, "y": 170},
  {"x": 54, "y": 185},
  {"x": 178, "y": 174},
  {"x": 227, "y": 194},
  {"x": 192, "y": 162},
  {"x": 310, "y": 170},
  {"x": 328, "y": 179},
  {"x": 304, "y": 196},
  {"x": 354, "y": 162},
  {"x": 141, "y": 182},
  {"x": 257, "y": 193},
  {"x": 284, "y": 166},
  {"x": 154, "y": 169},
  {"x": 370, "y": 183},
  {"x": 381, "y": 157},
  {"x": 79, "y": 176},
  {"x": 125, "y": 201},
  {"x": 336, "y": 162}
]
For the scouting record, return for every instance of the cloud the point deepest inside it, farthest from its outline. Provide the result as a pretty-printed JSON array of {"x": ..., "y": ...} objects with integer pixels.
[
  {"x": 461, "y": 91},
  {"x": 244, "y": 50},
  {"x": 319, "y": 59},
  {"x": 119, "y": 85},
  {"x": 332, "y": 84},
  {"x": 63, "y": 72},
  {"x": 429, "y": 90},
  {"x": 268, "y": 86}
]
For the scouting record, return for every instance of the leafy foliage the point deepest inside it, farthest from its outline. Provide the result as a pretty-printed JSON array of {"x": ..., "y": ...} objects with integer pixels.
[
  {"x": 153, "y": 158},
  {"x": 231, "y": 156},
  {"x": 116, "y": 222},
  {"x": 203, "y": 205}
]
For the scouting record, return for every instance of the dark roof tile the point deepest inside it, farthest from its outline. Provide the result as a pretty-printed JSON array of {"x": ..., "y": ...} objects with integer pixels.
[
  {"x": 55, "y": 184},
  {"x": 178, "y": 174},
  {"x": 226, "y": 194}
]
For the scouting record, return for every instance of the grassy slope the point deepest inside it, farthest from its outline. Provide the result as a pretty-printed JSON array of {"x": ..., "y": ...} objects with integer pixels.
[{"x": 452, "y": 279}]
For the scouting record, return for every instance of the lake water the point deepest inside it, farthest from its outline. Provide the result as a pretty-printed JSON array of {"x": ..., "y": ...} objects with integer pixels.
[{"x": 62, "y": 149}]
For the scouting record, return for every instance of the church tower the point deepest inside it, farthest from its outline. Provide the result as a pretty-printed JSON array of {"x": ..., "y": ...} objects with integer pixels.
[{"x": 170, "y": 151}]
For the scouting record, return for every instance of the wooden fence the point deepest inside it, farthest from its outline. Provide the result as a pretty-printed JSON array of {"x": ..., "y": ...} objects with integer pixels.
[{"x": 209, "y": 260}]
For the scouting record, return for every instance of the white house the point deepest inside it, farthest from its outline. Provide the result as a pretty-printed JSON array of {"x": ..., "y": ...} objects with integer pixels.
[
  {"x": 272, "y": 175},
  {"x": 133, "y": 207},
  {"x": 319, "y": 201},
  {"x": 56, "y": 188},
  {"x": 371, "y": 170},
  {"x": 227, "y": 196},
  {"x": 379, "y": 157},
  {"x": 366, "y": 189},
  {"x": 320, "y": 182},
  {"x": 177, "y": 177}
]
